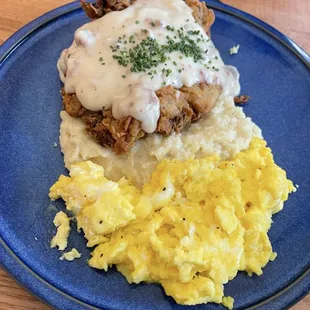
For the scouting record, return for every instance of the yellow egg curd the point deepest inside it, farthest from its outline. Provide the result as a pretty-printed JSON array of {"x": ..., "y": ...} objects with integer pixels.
[{"x": 191, "y": 228}]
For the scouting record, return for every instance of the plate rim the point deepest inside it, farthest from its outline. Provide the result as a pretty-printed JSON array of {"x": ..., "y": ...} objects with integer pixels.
[{"x": 55, "y": 297}]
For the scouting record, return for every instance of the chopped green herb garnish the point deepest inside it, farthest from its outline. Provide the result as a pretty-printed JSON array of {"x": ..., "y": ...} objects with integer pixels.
[
  {"x": 148, "y": 53},
  {"x": 169, "y": 71},
  {"x": 137, "y": 22}
]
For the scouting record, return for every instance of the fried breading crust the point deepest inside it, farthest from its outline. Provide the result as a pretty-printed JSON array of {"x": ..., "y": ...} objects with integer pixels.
[
  {"x": 178, "y": 108},
  {"x": 203, "y": 16},
  {"x": 242, "y": 99},
  {"x": 102, "y": 7}
]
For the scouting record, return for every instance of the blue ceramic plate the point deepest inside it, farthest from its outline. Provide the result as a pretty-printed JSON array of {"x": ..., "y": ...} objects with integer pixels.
[{"x": 274, "y": 71}]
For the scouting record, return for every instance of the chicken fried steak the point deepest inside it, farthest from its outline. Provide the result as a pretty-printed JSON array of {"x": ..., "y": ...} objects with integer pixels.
[{"x": 178, "y": 107}]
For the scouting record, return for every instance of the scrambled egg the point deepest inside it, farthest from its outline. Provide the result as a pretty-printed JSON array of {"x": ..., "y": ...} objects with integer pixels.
[
  {"x": 62, "y": 222},
  {"x": 191, "y": 228},
  {"x": 71, "y": 255}
]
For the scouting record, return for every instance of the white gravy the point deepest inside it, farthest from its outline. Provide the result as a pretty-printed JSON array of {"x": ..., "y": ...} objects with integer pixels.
[{"x": 88, "y": 68}]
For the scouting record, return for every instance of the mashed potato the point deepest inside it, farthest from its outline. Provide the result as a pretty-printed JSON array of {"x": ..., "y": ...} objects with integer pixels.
[
  {"x": 193, "y": 226},
  {"x": 224, "y": 132}
]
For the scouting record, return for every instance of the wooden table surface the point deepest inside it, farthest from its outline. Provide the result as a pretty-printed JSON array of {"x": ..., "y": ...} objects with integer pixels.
[{"x": 290, "y": 17}]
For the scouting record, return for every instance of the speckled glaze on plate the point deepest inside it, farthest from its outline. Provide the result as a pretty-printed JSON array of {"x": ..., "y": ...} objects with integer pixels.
[{"x": 274, "y": 72}]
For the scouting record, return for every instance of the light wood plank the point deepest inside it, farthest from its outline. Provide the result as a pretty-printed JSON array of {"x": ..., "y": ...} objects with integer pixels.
[{"x": 289, "y": 17}]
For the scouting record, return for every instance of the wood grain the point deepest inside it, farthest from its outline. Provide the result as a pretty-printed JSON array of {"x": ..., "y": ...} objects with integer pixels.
[
  {"x": 14, "y": 297},
  {"x": 290, "y": 17}
]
